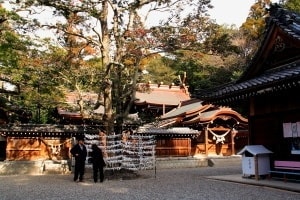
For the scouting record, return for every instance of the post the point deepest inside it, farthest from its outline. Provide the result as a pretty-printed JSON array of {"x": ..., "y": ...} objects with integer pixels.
[
  {"x": 206, "y": 141},
  {"x": 256, "y": 167},
  {"x": 233, "y": 133}
]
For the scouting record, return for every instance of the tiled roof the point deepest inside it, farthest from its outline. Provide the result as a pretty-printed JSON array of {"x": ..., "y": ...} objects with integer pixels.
[
  {"x": 179, "y": 131},
  {"x": 193, "y": 113},
  {"x": 183, "y": 110},
  {"x": 73, "y": 97},
  {"x": 6, "y": 86},
  {"x": 218, "y": 112},
  {"x": 162, "y": 95},
  {"x": 274, "y": 80},
  {"x": 47, "y": 130},
  {"x": 153, "y": 94},
  {"x": 287, "y": 20}
]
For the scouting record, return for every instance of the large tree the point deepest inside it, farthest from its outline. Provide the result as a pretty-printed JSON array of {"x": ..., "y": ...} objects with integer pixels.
[{"x": 119, "y": 36}]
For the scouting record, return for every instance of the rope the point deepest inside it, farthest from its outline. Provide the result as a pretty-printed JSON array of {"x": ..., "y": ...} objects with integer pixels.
[{"x": 219, "y": 138}]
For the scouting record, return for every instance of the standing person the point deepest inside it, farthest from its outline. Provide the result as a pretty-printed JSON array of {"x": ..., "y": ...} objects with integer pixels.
[
  {"x": 98, "y": 163},
  {"x": 79, "y": 152}
]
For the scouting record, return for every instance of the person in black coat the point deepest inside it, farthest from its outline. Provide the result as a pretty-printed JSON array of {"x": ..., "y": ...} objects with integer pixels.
[
  {"x": 79, "y": 152},
  {"x": 98, "y": 163}
]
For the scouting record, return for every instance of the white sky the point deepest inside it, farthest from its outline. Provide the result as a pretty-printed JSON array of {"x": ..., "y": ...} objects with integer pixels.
[
  {"x": 228, "y": 11},
  {"x": 224, "y": 12},
  {"x": 231, "y": 11}
]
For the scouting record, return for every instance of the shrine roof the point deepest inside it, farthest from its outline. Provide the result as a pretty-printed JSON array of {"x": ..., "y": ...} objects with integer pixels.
[
  {"x": 7, "y": 86},
  {"x": 72, "y": 97},
  {"x": 193, "y": 112},
  {"x": 224, "y": 113},
  {"x": 184, "y": 110},
  {"x": 162, "y": 95},
  {"x": 46, "y": 130},
  {"x": 178, "y": 131},
  {"x": 274, "y": 80}
]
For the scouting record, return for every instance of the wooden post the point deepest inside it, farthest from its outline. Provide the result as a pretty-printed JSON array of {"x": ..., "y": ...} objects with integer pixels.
[
  {"x": 256, "y": 167},
  {"x": 232, "y": 142},
  {"x": 189, "y": 146},
  {"x": 206, "y": 141}
]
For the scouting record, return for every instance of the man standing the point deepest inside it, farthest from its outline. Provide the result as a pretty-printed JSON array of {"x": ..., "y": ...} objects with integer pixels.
[
  {"x": 98, "y": 163},
  {"x": 79, "y": 152}
]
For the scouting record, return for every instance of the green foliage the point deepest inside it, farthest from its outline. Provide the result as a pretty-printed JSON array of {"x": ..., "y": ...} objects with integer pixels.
[
  {"x": 202, "y": 76},
  {"x": 219, "y": 42},
  {"x": 293, "y": 5},
  {"x": 209, "y": 54},
  {"x": 255, "y": 24},
  {"x": 10, "y": 47},
  {"x": 159, "y": 72}
]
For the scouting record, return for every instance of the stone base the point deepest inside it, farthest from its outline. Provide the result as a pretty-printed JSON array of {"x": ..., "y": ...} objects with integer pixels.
[
  {"x": 64, "y": 166},
  {"x": 224, "y": 161},
  {"x": 34, "y": 167}
]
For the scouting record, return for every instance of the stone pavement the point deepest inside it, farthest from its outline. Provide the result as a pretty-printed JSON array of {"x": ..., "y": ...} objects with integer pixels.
[
  {"x": 289, "y": 185},
  {"x": 172, "y": 179},
  {"x": 207, "y": 183}
]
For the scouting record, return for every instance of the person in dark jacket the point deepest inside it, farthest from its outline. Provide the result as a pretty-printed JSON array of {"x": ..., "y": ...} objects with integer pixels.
[
  {"x": 79, "y": 152},
  {"x": 98, "y": 163}
]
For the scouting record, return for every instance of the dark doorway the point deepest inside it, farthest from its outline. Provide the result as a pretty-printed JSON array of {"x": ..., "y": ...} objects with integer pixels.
[{"x": 3, "y": 150}]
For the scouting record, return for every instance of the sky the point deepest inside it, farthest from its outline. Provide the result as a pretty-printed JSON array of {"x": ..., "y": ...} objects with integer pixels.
[
  {"x": 231, "y": 11},
  {"x": 224, "y": 12}
]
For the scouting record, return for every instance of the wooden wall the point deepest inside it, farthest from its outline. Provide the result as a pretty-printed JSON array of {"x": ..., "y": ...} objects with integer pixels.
[
  {"x": 267, "y": 115},
  {"x": 37, "y": 149},
  {"x": 190, "y": 147},
  {"x": 173, "y": 147}
]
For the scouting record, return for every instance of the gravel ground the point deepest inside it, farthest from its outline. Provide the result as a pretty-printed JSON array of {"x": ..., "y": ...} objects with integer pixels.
[{"x": 164, "y": 184}]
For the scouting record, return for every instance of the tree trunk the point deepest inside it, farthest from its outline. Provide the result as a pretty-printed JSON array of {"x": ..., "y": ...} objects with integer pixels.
[{"x": 108, "y": 116}]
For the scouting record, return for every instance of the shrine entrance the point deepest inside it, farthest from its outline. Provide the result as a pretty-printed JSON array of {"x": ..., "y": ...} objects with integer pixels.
[{"x": 219, "y": 140}]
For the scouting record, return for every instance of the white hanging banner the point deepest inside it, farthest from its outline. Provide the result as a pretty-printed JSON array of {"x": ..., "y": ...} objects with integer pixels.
[
  {"x": 298, "y": 129},
  {"x": 287, "y": 130}
]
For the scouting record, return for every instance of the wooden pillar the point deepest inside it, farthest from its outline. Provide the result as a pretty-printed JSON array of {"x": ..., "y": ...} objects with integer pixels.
[
  {"x": 206, "y": 141},
  {"x": 233, "y": 133},
  {"x": 189, "y": 146}
]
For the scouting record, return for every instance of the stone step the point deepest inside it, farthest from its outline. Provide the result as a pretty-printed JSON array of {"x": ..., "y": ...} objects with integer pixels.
[
  {"x": 180, "y": 162},
  {"x": 224, "y": 161},
  {"x": 64, "y": 167},
  {"x": 56, "y": 167},
  {"x": 21, "y": 167}
]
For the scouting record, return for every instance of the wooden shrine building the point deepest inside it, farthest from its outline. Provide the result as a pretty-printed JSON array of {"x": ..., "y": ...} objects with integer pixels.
[
  {"x": 186, "y": 127},
  {"x": 158, "y": 99},
  {"x": 269, "y": 87},
  {"x": 195, "y": 129}
]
